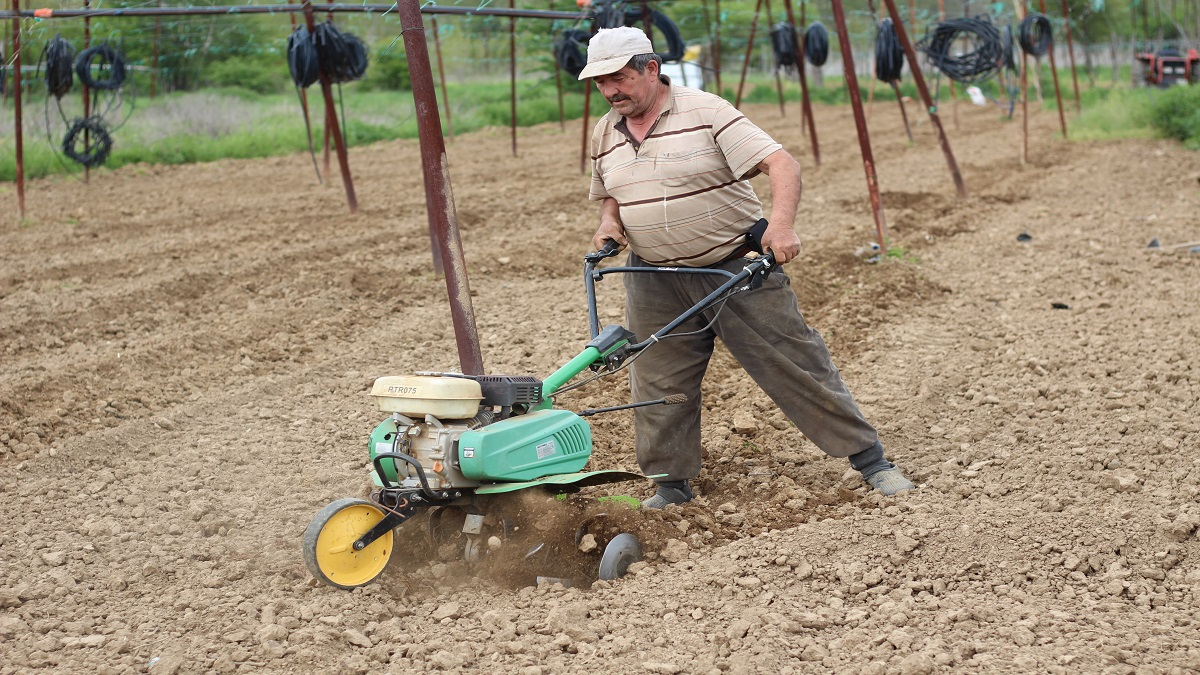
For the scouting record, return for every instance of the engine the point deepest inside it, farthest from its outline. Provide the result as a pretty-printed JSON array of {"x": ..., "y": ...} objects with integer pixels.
[{"x": 467, "y": 430}]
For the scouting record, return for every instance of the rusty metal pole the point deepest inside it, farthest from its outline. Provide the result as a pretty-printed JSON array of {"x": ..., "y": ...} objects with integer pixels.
[
  {"x": 717, "y": 46},
  {"x": 587, "y": 106},
  {"x": 331, "y": 120},
  {"x": 903, "y": 113},
  {"x": 930, "y": 105},
  {"x": 953, "y": 94},
  {"x": 1071, "y": 55},
  {"x": 87, "y": 99},
  {"x": 154, "y": 53},
  {"x": 437, "y": 45},
  {"x": 749, "y": 49},
  {"x": 562, "y": 118},
  {"x": 18, "y": 130},
  {"x": 1024, "y": 93},
  {"x": 512, "y": 76},
  {"x": 860, "y": 121},
  {"x": 328, "y": 132},
  {"x": 304, "y": 101},
  {"x": 438, "y": 192},
  {"x": 1062, "y": 118},
  {"x": 806, "y": 104},
  {"x": 778, "y": 80}
]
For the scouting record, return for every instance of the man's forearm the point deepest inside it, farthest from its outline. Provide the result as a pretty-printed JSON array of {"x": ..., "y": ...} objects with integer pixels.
[
  {"x": 785, "y": 191},
  {"x": 610, "y": 210}
]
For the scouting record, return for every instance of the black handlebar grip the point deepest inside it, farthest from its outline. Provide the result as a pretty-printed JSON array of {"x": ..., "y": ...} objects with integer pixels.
[{"x": 755, "y": 235}]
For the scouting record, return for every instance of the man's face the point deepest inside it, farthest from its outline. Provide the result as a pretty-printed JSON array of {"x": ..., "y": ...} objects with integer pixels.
[{"x": 629, "y": 92}]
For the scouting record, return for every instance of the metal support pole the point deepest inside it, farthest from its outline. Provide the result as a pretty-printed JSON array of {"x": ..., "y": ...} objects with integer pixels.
[
  {"x": 1062, "y": 118},
  {"x": 903, "y": 113},
  {"x": 953, "y": 94},
  {"x": 224, "y": 10},
  {"x": 325, "y": 151},
  {"x": 512, "y": 76},
  {"x": 806, "y": 115},
  {"x": 930, "y": 104},
  {"x": 737, "y": 103},
  {"x": 1071, "y": 55},
  {"x": 587, "y": 107},
  {"x": 87, "y": 99},
  {"x": 778, "y": 80},
  {"x": 860, "y": 121},
  {"x": 437, "y": 45},
  {"x": 717, "y": 46},
  {"x": 18, "y": 130},
  {"x": 331, "y": 120},
  {"x": 1024, "y": 92},
  {"x": 562, "y": 118},
  {"x": 438, "y": 193},
  {"x": 154, "y": 52},
  {"x": 304, "y": 106}
]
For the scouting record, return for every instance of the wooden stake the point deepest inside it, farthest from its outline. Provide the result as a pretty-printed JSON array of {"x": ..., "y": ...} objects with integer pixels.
[
  {"x": 18, "y": 129},
  {"x": 806, "y": 108},
  {"x": 860, "y": 122},
  {"x": 437, "y": 45},
  {"x": 512, "y": 75},
  {"x": 1062, "y": 118},
  {"x": 749, "y": 49},
  {"x": 331, "y": 119},
  {"x": 930, "y": 105},
  {"x": 1071, "y": 55}
]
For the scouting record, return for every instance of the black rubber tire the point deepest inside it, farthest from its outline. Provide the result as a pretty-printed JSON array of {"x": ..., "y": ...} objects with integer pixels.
[{"x": 373, "y": 565}]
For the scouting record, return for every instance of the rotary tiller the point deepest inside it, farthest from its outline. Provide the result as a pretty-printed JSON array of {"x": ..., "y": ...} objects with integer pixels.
[{"x": 458, "y": 447}]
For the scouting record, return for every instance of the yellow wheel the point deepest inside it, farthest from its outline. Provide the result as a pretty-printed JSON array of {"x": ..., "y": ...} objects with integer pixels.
[{"x": 329, "y": 544}]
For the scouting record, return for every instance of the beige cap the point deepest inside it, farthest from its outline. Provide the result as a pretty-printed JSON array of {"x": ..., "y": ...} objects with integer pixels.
[{"x": 611, "y": 48}]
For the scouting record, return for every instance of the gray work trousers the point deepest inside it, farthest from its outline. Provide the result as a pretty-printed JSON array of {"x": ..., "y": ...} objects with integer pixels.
[{"x": 765, "y": 331}]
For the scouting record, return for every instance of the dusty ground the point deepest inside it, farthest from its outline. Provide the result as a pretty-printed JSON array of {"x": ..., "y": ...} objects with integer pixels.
[{"x": 186, "y": 354}]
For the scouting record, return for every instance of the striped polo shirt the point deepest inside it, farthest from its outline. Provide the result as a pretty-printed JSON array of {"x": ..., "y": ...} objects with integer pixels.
[{"x": 684, "y": 192}]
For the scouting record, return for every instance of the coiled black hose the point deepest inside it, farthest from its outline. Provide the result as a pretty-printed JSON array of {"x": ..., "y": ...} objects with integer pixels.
[
  {"x": 982, "y": 58},
  {"x": 342, "y": 56},
  {"x": 105, "y": 58},
  {"x": 302, "y": 57},
  {"x": 889, "y": 54},
  {"x": 570, "y": 50},
  {"x": 783, "y": 42},
  {"x": 95, "y": 150},
  {"x": 816, "y": 44},
  {"x": 607, "y": 16},
  {"x": 59, "y": 55},
  {"x": 1036, "y": 35},
  {"x": 1010, "y": 49}
]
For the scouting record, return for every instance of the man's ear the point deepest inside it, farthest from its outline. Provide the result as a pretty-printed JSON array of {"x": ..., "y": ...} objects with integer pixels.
[{"x": 656, "y": 69}]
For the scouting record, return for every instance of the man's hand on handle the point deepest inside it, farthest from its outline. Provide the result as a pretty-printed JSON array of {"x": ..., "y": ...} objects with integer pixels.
[
  {"x": 784, "y": 174},
  {"x": 783, "y": 241},
  {"x": 610, "y": 225}
]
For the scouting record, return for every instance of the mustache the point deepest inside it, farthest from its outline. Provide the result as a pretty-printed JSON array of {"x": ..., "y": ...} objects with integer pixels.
[{"x": 615, "y": 98}]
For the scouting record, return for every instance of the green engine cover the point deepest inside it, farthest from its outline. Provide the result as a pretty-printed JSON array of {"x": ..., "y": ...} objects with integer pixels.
[
  {"x": 526, "y": 447},
  {"x": 381, "y": 441}
]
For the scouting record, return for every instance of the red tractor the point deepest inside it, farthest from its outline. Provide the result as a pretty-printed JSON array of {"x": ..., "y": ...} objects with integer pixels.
[{"x": 1167, "y": 67}]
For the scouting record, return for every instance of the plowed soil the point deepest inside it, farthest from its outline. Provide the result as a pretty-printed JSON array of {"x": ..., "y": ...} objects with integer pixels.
[{"x": 185, "y": 356}]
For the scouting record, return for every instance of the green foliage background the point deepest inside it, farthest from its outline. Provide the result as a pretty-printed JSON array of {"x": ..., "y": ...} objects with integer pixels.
[{"x": 223, "y": 82}]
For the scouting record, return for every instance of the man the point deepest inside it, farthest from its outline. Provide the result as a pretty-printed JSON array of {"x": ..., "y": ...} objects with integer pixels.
[{"x": 670, "y": 167}]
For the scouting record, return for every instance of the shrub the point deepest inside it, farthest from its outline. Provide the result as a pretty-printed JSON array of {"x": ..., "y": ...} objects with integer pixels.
[
  {"x": 1176, "y": 113},
  {"x": 264, "y": 76},
  {"x": 388, "y": 72}
]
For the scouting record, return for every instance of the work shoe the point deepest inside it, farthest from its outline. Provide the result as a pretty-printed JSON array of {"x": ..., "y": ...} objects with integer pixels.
[
  {"x": 667, "y": 495},
  {"x": 890, "y": 481}
]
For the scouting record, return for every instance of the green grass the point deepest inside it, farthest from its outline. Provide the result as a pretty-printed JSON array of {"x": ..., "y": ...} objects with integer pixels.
[
  {"x": 1122, "y": 113},
  {"x": 238, "y": 123},
  {"x": 241, "y": 124}
]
